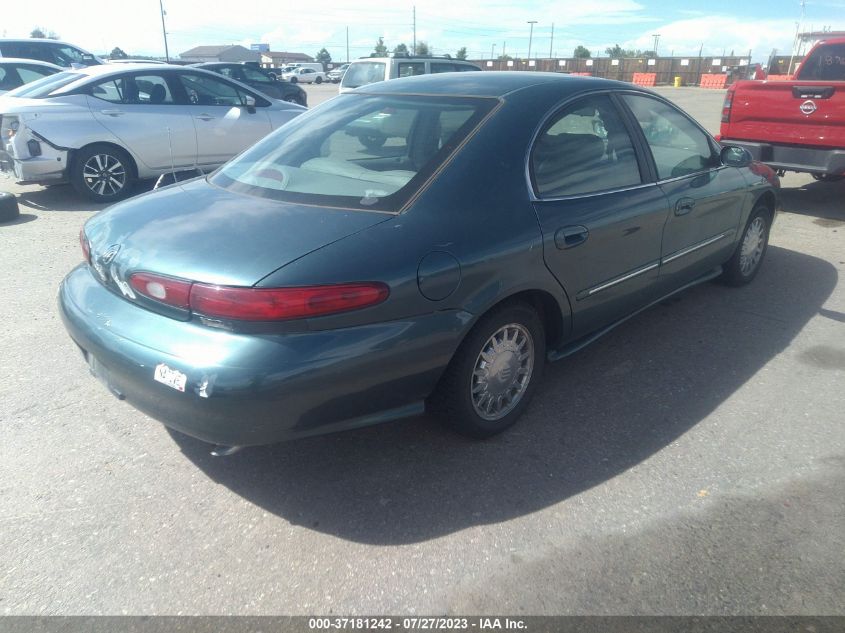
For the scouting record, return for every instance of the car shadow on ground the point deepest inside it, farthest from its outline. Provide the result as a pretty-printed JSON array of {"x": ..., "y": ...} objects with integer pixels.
[
  {"x": 596, "y": 414},
  {"x": 66, "y": 198},
  {"x": 823, "y": 200}
]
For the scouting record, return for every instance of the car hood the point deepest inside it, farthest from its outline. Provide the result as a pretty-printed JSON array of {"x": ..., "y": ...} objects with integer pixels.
[{"x": 197, "y": 231}]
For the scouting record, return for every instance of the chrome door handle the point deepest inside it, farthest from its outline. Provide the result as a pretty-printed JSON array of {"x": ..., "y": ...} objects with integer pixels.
[
  {"x": 205, "y": 117},
  {"x": 112, "y": 112},
  {"x": 684, "y": 206},
  {"x": 570, "y": 236}
]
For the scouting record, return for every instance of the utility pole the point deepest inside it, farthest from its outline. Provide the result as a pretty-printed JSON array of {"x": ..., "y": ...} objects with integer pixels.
[
  {"x": 164, "y": 31},
  {"x": 415, "y": 30},
  {"x": 656, "y": 37},
  {"x": 493, "y": 52},
  {"x": 530, "y": 36},
  {"x": 347, "y": 44},
  {"x": 552, "y": 43},
  {"x": 504, "y": 47}
]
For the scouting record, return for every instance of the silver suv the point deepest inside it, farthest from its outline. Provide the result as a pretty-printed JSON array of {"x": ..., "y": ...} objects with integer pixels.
[{"x": 371, "y": 69}]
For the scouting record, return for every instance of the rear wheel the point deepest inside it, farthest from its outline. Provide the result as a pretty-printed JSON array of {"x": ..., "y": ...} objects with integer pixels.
[
  {"x": 744, "y": 264},
  {"x": 494, "y": 373},
  {"x": 102, "y": 173},
  {"x": 293, "y": 80},
  {"x": 319, "y": 80}
]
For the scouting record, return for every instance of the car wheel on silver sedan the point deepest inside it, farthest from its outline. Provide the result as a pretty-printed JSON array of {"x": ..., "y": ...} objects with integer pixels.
[{"x": 102, "y": 173}]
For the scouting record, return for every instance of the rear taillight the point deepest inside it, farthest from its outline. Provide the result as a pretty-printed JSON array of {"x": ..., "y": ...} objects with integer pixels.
[
  {"x": 276, "y": 304},
  {"x": 86, "y": 248},
  {"x": 168, "y": 290},
  {"x": 258, "y": 304},
  {"x": 726, "y": 107}
]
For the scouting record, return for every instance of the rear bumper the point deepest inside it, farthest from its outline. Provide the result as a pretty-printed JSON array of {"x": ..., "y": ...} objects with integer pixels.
[
  {"x": 50, "y": 167},
  {"x": 793, "y": 157},
  {"x": 257, "y": 389}
]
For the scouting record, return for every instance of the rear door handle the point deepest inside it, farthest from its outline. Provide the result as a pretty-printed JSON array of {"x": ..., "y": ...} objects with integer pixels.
[
  {"x": 684, "y": 206},
  {"x": 570, "y": 236},
  {"x": 112, "y": 112},
  {"x": 205, "y": 117}
]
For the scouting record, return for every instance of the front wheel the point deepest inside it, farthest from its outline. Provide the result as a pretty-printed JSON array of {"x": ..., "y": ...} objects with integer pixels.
[
  {"x": 293, "y": 80},
  {"x": 319, "y": 80},
  {"x": 494, "y": 373},
  {"x": 102, "y": 173},
  {"x": 744, "y": 264}
]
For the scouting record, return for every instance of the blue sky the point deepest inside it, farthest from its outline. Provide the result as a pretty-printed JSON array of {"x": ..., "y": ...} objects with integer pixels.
[{"x": 482, "y": 26}]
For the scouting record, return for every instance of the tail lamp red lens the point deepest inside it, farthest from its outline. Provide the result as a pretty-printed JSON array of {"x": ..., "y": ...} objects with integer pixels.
[
  {"x": 259, "y": 304},
  {"x": 726, "y": 107},
  {"x": 86, "y": 248},
  {"x": 167, "y": 290}
]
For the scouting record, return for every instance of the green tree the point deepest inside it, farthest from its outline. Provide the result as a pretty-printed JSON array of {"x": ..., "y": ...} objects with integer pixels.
[
  {"x": 504, "y": 58},
  {"x": 117, "y": 53},
  {"x": 402, "y": 49},
  {"x": 41, "y": 33},
  {"x": 381, "y": 49},
  {"x": 582, "y": 52},
  {"x": 616, "y": 51},
  {"x": 422, "y": 49},
  {"x": 323, "y": 57},
  {"x": 462, "y": 53}
]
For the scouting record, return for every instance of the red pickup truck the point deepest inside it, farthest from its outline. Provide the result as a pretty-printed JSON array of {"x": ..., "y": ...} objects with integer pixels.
[{"x": 796, "y": 125}]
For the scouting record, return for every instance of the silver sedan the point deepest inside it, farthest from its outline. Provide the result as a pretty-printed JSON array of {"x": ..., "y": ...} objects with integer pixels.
[{"x": 103, "y": 127}]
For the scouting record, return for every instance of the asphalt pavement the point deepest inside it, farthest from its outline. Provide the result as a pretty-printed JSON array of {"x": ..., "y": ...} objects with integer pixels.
[{"x": 691, "y": 462}]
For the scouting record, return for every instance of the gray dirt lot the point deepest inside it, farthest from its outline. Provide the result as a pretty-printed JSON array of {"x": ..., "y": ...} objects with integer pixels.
[{"x": 692, "y": 462}]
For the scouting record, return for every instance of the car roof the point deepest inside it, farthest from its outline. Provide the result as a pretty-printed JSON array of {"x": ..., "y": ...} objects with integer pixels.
[
  {"x": 488, "y": 83},
  {"x": 31, "y": 62}
]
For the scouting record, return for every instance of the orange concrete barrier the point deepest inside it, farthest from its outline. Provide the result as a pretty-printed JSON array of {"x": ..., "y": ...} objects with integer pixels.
[
  {"x": 713, "y": 81},
  {"x": 647, "y": 80}
]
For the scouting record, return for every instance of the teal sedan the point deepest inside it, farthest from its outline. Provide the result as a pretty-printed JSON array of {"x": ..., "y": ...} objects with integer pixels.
[{"x": 319, "y": 282}]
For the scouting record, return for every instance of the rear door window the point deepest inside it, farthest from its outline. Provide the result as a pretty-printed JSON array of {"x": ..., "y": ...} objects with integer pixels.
[
  {"x": 134, "y": 90},
  {"x": 584, "y": 149},
  {"x": 439, "y": 67},
  {"x": 410, "y": 69}
]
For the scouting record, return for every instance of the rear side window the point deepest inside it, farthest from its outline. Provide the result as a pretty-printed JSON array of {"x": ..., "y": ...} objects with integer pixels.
[
  {"x": 584, "y": 149},
  {"x": 29, "y": 74},
  {"x": 826, "y": 63},
  {"x": 678, "y": 146},
  {"x": 363, "y": 73},
  {"x": 47, "y": 86},
  {"x": 365, "y": 152},
  {"x": 134, "y": 90},
  {"x": 410, "y": 69}
]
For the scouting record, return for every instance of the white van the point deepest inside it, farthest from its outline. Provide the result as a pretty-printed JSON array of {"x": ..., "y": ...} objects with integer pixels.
[{"x": 368, "y": 70}]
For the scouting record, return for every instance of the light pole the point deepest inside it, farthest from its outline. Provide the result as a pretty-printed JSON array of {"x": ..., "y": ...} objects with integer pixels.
[
  {"x": 656, "y": 37},
  {"x": 164, "y": 31},
  {"x": 531, "y": 36},
  {"x": 493, "y": 52}
]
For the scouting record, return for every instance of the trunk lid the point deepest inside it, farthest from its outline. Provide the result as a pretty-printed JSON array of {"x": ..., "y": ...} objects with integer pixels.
[{"x": 199, "y": 232}]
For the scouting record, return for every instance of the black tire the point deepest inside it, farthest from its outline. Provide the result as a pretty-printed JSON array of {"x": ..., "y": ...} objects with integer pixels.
[
  {"x": 828, "y": 177},
  {"x": 9, "y": 209},
  {"x": 462, "y": 391},
  {"x": 293, "y": 80},
  {"x": 372, "y": 141},
  {"x": 738, "y": 270},
  {"x": 318, "y": 80},
  {"x": 88, "y": 173}
]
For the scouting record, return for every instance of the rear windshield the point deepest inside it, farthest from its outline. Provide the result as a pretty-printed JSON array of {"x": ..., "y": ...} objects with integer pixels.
[
  {"x": 363, "y": 73},
  {"x": 356, "y": 151},
  {"x": 826, "y": 63},
  {"x": 44, "y": 87}
]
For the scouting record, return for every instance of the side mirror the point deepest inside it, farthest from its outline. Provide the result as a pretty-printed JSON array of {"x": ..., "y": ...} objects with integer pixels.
[
  {"x": 735, "y": 156},
  {"x": 249, "y": 101}
]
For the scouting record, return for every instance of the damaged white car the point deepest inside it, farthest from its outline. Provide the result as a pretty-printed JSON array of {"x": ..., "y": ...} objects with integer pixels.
[{"x": 104, "y": 127}]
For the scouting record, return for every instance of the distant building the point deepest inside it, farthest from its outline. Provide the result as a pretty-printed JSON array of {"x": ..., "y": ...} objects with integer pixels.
[
  {"x": 276, "y": 59},
  {"x": 227, "y": 53},
  {"x": 261, "y": 48}
]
